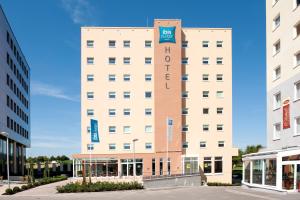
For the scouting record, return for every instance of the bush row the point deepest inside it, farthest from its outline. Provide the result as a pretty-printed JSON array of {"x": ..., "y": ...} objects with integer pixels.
[
  {"x": 98, "y": 187},
  {"x": 43, "y": 181},
  {"x": 218, "y": 184}
]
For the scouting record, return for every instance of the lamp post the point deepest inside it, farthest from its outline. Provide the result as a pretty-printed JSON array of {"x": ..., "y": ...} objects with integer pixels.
[
  {"x": 7, "y": 156},
  {"x": 134, "y": 163}
]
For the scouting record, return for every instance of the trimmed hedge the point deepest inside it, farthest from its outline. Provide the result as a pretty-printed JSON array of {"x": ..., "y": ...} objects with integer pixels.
[
  {"x": 98, "y": 187},
  {"x": 43, "y": 181},
  {"x": 219, "y": 184}
]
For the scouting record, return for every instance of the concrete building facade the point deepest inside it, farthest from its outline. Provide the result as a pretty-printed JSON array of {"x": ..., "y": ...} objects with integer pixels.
[
  {"x": 14, "y": 102},
  {"x": 135, "y": 78},
  {"x": 278, "y": 166}
]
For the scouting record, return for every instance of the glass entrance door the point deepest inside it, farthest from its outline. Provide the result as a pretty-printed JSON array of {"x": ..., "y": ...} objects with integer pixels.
[{"x": 288, "y": 177}]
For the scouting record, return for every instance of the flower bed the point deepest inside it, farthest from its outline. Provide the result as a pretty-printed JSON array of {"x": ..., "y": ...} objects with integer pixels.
[
  {"x": 98, "y": 187},
  {"x": 43, "y": 181}
]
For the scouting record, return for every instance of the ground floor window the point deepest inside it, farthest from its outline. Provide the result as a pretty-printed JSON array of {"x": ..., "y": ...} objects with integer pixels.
[
  {"x": 161, "y": 165},
  {"x": 288, "y": 177},
  {"x": 153, "y": 166},
  {"x": 127, "y": 167},
  {"x": 190, "y": 165},
  {"x": 218, "y": 165},
  {"x": 257, "y": 171},
  {"x": 207, "y": 165},
  {"x": 247, "y": 171},
  {"x": 270, "y": 172}
]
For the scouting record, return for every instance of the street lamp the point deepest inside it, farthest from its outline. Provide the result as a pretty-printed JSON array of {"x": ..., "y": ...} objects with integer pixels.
[
  {"x": 7, "y": 156},
  {"x": 134, "y": 163}
]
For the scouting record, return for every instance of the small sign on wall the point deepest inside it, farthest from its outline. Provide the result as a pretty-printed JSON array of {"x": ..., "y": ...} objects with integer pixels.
[{"x": 286, "y": 114}]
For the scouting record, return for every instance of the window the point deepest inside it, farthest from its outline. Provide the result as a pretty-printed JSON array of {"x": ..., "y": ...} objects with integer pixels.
[
  {"x": 90, "y": 60},
  {"x": 148, "y": 60},
  {"x": 297, "y": 30},
  {"x": 297, "y": 59},
  {"x": 126, "y": 43},
  {"x": 297, "y": 126},
  {"x": 221, "y": 144},
  {"x": 185, "y": 111},
  {"x": 148, "y": 95},
  {"x": 148, "y": 111},
  {"x": 202, "y": 144},
  {"x": 205, "y": 94},
  {"x": 185, "y": 77},
  {"x": 205, "y": 111},
  {"x": 126, "y": 129},
  {"x": 205, "y": 127},
  {"x": 148, "y": 43},
  {"x": 220, "y": 127},
  {"x": 185, "y": 128},
  {"x": 207, "y": 164},
  {"x": 126, "y": 112},
  {"x": 88, "y": 128},
  {"x": 126, "y": 77},
  {"x": 205, "y": 77},
  {"x": 111, "y": 60},
  {"x": 219, "y": 77},
  {"x": 276, "y": 73},
  {"x": 277, "y": 101},
  {"x": 148, "y": 129},
  {"x": 126, "y": 60},
  {"x": 112, "y": 43},
  {"x": 90, "y": 95},
  {"x": 90, "y": 43},
  {"x": 90, "y": 77},
  {"x": 90, "y": 147},
  {"x": 276, "y": 47},
  {"x": 297, "y": 91},
  {"x": 219, "y": 61},
  {"x": 126, "y": 146},
  {"x": 126, "y": 95},
  {"x": 220, "y": 94},
  {"x": 276, "y": 21},
  {"x": 185, "y": 61},
  {"x": 112, "y": 146},
  {"x": 219, "y": 110},
  {"x": 90, "y": 112},
  {"x": 111, "y": 95},
  {"x": 111, "y": 77},
  {"x": 148, "y": 77},
  {"x": 218, "y": 165},
  {"x": 112, "y": 129},
  {"x": 276, "y": 131},
  {"x": 205, "y": 61},
  {"x": 153, "y": 166},
  {"x": 112, "y": 112},
  {"x": 205, "y": 44},
  {"x": 185, "y": 94},
  {"x": 148, "y": 146},
  {"x": 219, "y": 44},
  {"x": 185, "y": 145},
  {"x": 184, "y": 44}
]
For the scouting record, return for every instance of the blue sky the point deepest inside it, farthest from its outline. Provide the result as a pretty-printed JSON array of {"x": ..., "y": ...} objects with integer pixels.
[{"x": 49, "y": 34}]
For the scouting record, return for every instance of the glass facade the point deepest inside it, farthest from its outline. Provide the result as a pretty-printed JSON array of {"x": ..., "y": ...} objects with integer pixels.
[
  {"x": 270, "y": 172},
  {"x": 247, "y": 171},
  {"x": 257, "y": 170},
  {"x": 191, "y": 165},
  {"x": 288, "y": 177}
]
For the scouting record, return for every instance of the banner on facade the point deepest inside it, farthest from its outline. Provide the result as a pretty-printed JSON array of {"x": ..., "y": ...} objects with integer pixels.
[
  {"x": 169, "y": 129},
  {"x": 94, "y": 131},
  {"x": 286, "y": 114}
]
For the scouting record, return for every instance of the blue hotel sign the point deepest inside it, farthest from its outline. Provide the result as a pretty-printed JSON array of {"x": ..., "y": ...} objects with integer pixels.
[
  {"x": 94, "y": 131},
  {"x": 167, "y": 34}
]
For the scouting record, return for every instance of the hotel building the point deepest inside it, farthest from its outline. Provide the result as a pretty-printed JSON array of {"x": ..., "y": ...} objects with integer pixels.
[
  {"x": 278, "y": 166},
  {"x": 14, "y": 102},
  {"x": 135, "y": 78}
]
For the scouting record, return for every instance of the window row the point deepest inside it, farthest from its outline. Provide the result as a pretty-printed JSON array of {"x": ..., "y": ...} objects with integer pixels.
[
  {"x": 17, "y": 73},
  {"x": 277, "y": 128},
  {"x": 16, "y": 54},
  {"x": 14, "y": 126},
  {"x": 16, "y": 109},
  {"x": 13, "y": 87},
  {"x": 277, "y": 99},
  {"x": 205, "y": 128},
  {"x": 128, "y": 146},
  {"x": 148, "y": 60},
  {"x": 148, "y": 44}
]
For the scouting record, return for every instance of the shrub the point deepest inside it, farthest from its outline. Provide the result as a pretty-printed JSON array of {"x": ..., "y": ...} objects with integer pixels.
[
  {"x": 9, "y": 191},
  {"x": 24, "y": 187},
  {"x": 218, "y": 184},
  {"x": 16, "y": 189},
  {"x": 98, "y": 187}
]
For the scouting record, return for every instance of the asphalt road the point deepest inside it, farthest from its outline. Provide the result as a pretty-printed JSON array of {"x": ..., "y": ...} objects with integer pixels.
[{"x": 187, "y": 193}]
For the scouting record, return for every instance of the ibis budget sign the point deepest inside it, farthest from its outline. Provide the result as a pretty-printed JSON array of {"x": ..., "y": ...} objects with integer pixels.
[{"x": 167, "y": 34}]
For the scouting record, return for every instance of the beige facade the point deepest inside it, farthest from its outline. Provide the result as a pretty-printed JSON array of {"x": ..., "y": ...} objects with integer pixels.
[{"x": 189, "y": 81}]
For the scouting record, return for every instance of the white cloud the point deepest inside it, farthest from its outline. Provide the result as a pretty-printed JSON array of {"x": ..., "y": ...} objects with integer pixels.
[
  {"x": 80, "y": 11},
  {"x": 38, "y": 88}
]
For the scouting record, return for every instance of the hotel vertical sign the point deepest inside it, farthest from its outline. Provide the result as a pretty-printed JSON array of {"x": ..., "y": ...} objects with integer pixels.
[
  {"x": 286, "y": 114},
  {"x": 167, "y": 83}
]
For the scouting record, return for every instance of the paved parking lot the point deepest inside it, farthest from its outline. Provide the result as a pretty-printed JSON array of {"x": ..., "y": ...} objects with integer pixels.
[{"x": 187, "y": 193}]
